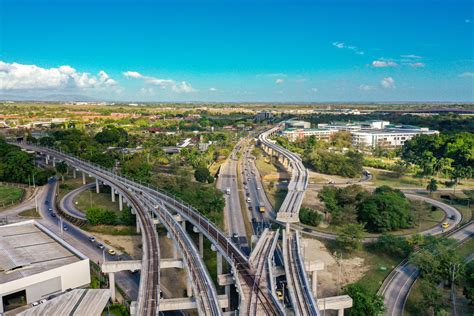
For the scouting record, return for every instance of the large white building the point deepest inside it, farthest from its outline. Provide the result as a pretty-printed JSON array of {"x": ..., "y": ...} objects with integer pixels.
[
  {"x": 364, "y": 134},
  {"x": 387, "y": 138},
  {"x": 35, "y": 263}
]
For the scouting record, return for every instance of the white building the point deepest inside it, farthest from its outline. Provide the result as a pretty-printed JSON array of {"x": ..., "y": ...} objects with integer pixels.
[
  {"x": 389, "y": 137},
  {"x": 35, "y": 263},
  {"x": 320, "y": 134}
]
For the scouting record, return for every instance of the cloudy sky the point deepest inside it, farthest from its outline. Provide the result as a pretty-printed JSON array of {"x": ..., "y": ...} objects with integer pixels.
[{"x": 309, "y": 51}]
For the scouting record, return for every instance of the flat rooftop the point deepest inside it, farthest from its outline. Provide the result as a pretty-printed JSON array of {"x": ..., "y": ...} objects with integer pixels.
[
  {"x": 25, "y": 250},
  {"x": 80, "y": 302}
]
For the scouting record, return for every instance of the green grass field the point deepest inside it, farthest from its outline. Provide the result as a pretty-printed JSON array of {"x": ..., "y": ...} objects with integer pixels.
[
  {"x": 89, "y": 198},
  {"x": 10, "y": 195}
]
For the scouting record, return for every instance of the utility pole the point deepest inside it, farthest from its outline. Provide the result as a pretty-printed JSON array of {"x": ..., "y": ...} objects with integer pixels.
[{"x": 453, "y": 288}]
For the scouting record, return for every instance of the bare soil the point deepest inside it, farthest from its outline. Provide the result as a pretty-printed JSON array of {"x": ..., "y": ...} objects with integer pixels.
[{"x": 350, "y": 270}]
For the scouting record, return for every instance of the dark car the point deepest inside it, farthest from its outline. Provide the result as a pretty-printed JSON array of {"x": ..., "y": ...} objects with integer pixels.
[
  {"x": 65, "y": 227},
  {"x": 53, "y": 214},
  {"x": 100, "y": 246},
  {"x": 46, "y": 202}
]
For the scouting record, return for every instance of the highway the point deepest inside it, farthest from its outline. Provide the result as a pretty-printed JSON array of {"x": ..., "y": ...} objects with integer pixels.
[
  {"x": 227, "y": 183},
  {"x": 396, "y": 287}
]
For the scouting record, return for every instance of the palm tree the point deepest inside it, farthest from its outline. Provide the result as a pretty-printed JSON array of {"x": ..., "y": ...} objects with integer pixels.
[{"x": 432, "y": 185}]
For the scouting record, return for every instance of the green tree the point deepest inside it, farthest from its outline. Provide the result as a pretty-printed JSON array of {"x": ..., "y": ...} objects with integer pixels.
[
  {"x": 99, "y": 216},
  {"x": 61, "y": 168},
  {"x": 468, "y": 289},
  {"x": 364, "y": 302},
  {"x": 395, "y": 246},
  {"x": 386, "y": 209},
  {"x": 310, "y": 217},
  {"x": 350, "y": 236},
  {"x": 201, "y": 174},
  {"x": 432, "y": 186}
]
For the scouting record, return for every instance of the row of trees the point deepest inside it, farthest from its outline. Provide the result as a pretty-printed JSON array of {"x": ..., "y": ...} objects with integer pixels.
[
  {"x": 100, "y": 216},
  {"x": 451, "y": 156},
  {"x": 385, "y": 209},
  {"x": 18, "y": 166}
]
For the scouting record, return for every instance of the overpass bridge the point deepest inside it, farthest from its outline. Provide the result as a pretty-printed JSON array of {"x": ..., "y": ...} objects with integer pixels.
[{"x": 152, "y": 204}]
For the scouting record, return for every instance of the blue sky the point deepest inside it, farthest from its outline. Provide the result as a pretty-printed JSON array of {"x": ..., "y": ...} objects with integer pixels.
[{"x": 309, "y": 51}]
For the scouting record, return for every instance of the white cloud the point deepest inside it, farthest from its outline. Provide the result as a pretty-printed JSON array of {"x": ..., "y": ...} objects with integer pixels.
[
  {"x": 467, "y": 21},
  {"x": 388, "y": 83},
  {"x": 314, "y": 89},
  {"x": 15, "y": 76},
  {"x": 353, "y": 48},
  {"x": 365, "y": 87},
  {"x": 411, "y": 56},
  {"x": 212, "y": 89},
  {"x": 279, "y": 81},
  {"x": 383, "y": 63},
  {"x": 276, "y": 74},
  {"x": 467, "y": 74},
  {"x": 165, "y": 84},
  {"x": 132, "y": 74},
  {"x": 417, "y": 65}
]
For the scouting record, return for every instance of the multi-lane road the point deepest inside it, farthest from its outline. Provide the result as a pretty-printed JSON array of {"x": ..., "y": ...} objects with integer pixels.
[{"x": 396, "y": 287}]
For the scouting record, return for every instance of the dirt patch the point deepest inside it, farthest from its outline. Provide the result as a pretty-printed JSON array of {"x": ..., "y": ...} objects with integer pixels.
[
  {"x": 311, "y": 199},
  {"x": 129, "y": 244},
  {"x": 350, "y": 270}
]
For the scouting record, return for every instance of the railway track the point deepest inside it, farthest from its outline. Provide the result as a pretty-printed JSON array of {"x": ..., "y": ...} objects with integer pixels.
[{"x": 148, "y": 296}]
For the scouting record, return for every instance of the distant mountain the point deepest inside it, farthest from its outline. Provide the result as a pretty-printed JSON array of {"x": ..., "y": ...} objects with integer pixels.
[{"x": 50, "y": 97}]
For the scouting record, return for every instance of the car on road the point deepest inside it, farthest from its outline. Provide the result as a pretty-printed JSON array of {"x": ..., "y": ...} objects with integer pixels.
[
  {"x": 250, "y": 208},
  {"x": 279, "y": 294},
  {"x": 249, "y": 200},
  {"x": 46, "y": 202},
  {"x": 50, "y": 209},
  {"x": 53, "y": 214},
  {"x": 65, "y": 227},
  {"x": 91, "y": 238},
  {"x": 111, "y": 252},
  {"x": 100, "y": 246},
  {"x": 445, "y": 225}
]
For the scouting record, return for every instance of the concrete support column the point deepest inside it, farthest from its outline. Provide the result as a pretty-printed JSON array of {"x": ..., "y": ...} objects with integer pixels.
[
  {"x": 189, "y": 288},
  {"x": 112, "y": 194},
  {"x": 97, "y": 186},
  {"x": 340, "y": 312},
  {"x": 112, "y": 286},
  {"x": 74, "y": 173},
  {"x": 183, "y": 224},
  {"x": 201, "y": 245},
  {"x": 47, "y": 159},
  {"x": 83, "y": 178},
  {"x": 120, "y": 202},
  {"x": 314, "y": 283},
  {"x": 54, "y": 162},
  {"x": 138, "y": 226},
  {"x": 227, "y": 293},
  {"x": 219, "y": 263}
]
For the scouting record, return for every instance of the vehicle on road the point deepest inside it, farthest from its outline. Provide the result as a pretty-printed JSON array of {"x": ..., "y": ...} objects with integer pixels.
[
  {"x": 100, "y": 246},
  {"x": 65, "y": 227},
  {"x": 227, "y": 191},
  {"x": 50, "y": 209},
  {"x": 91, "y": 238},
  {"x": 249, "y": 200},
  {"x": 261, "y": 208},
  {"x": 111, "y": 252},
  {"x": 279, "y": 294},
  {"x": 445, "y": 225},
  {"x": 53, "y": 214}
]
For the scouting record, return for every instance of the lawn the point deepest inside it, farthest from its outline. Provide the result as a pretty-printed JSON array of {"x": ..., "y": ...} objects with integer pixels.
[
  {"x": 10, "y": 195},
  {"x": 381, "y": 178},
  {"x": 89, "y": 198},
  {"x": 429, "y": 219},
  {"x": 30, "y": 213}
]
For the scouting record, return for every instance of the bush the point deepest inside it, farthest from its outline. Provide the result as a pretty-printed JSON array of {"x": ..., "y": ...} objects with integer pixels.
[
  {"x": 397, "y": 247},
  {"x": 364, "y": 302},
  {"x": 99, "y": 216},
  {"x": 310, "y": 217}
]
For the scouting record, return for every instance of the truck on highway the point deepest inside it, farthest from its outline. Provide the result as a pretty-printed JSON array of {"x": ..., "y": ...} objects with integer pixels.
[
  {"x": 261, "y": 208},
  {"x": 227, "y": 191}
]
